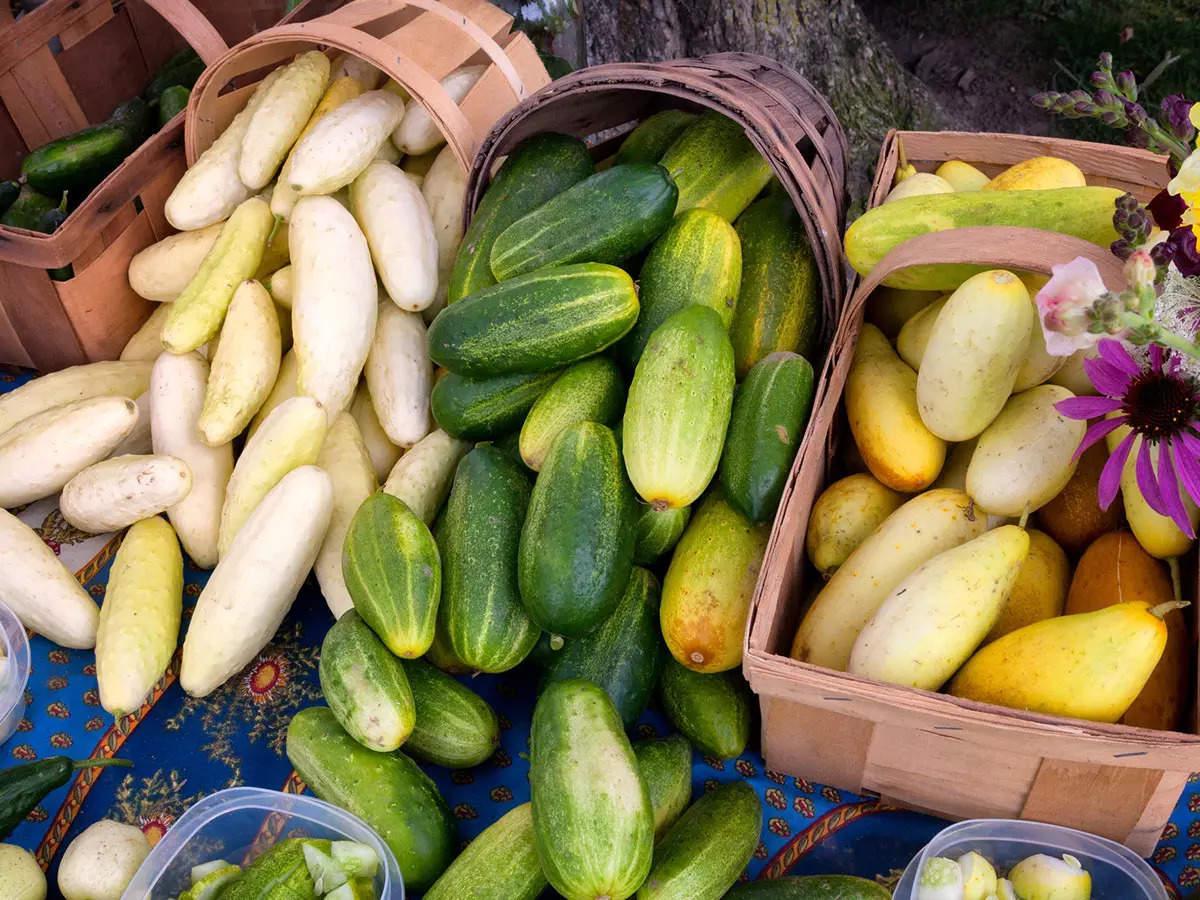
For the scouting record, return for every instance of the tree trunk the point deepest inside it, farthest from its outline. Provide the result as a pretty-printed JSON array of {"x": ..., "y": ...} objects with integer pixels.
[{"x": 830, "y": 42}]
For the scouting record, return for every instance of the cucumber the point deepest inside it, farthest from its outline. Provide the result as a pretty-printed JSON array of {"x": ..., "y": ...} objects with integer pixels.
[
  {"x": 711, "y": 711},
  {"x": 280, "y": 872},
  {"x": 588, "y": 391},
  {"x": 1085, "y": 212},
  {"x": 535, "y": 322},
  {"x": 709, "y": 586},
  {"x": 78, "y": 162},
  {"x": 135, "y": 116},
  {"x": 481, "y": 614},
  {"x": 593, "y": 824},
  {"x": 606, "y": 218},
  {"x": 28, "y": 210},
  {"x": 779, "y": 302},
  {"x": 440, "y": 654},
  {"x": 770, "y": 410},
  {"x": 388, "y": 791},
  {"x": 716, "y": 167},
  {"x": 697, "y": 262},
  {"x": 500, "y": 864},
  {"x": 9, "y": 192},
  {"x": 394, "y": 574},
  {"x": 706, "y": 850},
  {"x": 653, "y": 135},
  {"x": 665, "y": 765},
  {"x": 365, "y": 685},
  {"x": 576, "y": 549},
  {"x": 181, "y": 69},
  {"x": 537, "y": 169},
  {"x": 455, "y": 727},
  {"x": 657, "y": 531},
  {"x": 623, "y": 655},
  {"x": 678, "y": 408},
  {"x": 810, "y": 887},
  {"x": 172, "y": 102},
  {"x": 474, "y": 409}
]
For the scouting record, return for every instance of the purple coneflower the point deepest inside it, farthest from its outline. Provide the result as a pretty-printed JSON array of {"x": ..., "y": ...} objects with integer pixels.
[{"x": 1160, "y": 404}]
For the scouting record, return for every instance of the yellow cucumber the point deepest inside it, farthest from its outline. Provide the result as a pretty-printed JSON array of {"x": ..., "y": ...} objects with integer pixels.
[
  {"x": 417, "y": 133},
  {"x": 343, "y": 143},
  {"x": 422, "y": 476},
  {"x": 917, "y": 185},
  {"x": 889, "y": 308},
  {"x": 163, "y": 270},
  {"x": 281, "y": 286},
  {"x": 844, "y": 516},
  {"x": 121, "y": 490},
  {"x": 284, "y": 388},
  {"x": 290, "y": 437},
  {"x": 124, "y": 379},
  {"x": 146, "y": 343},
  {"x": 197, "y": 313},
  {"x": 345, "y": 460},
  {"x": 245, "y": 366},
  {"x": 1158, "y": 534},
  {"x": 1038, "y": 174},
  {"x": 911, "y": 536},
  {"x": 380, "y": 448},
  {"x": 280, "y": 117},
  {"x": 961, "y": 176},
  {"x": 1040, "y": 590},
  {"x": 139, "y": 622},
  {"x": 1038, "y": 365},
  {"x": 914, "y": 335}
]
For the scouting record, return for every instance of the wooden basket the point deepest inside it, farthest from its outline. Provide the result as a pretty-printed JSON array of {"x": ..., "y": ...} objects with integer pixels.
[
  {"x": 414, "y": 42},
  {"x": 782, "y": 114},
  {"x": 109, "y": 48},
  {"x": 932, "y": 752}
]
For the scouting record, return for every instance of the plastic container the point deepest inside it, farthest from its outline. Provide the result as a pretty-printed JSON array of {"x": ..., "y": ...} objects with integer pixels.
[
  {"x": 238, "y": 825},
  {"x": 14, "y": 671},
  {"x": 1117, "y": 872}
]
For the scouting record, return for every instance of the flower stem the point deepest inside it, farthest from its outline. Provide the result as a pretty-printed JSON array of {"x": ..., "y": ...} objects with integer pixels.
[{"x": 1159, "y": 335}]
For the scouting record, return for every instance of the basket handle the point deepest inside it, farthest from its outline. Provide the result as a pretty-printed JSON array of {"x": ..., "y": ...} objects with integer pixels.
[
  {"x": 193, "y": 26},
  {"x": 1002, "y": 246}
]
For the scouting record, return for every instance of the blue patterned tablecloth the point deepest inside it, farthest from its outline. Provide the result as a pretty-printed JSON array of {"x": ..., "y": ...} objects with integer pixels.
[{"x": 185, "y": 748}]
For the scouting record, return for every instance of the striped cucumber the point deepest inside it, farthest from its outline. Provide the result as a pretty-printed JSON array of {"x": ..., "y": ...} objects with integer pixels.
[
  {"x": 666, "y": 767},
  {"x": 455, "y": 727},
  {"x": 500, "y": 864},
  {"x": 810, "y": 887},
  {"x": 657, "y": 531},
  {"x": 481, "y": 614},
  {"x": 716, "y": 167},
  {"x": 653, "y": 135},
  {"x": 476, "y": 409},
  {"x": 589, "y": 391},
  {"x": 711, "y": 711},
  {"x": 678, "y": 408}
]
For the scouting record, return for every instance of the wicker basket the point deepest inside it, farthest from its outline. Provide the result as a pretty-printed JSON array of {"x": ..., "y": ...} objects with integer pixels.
[
  {"x": 929, "y": 751},
  {"x": 782, "y": 114},
  {"x": 108, "y": 51}
]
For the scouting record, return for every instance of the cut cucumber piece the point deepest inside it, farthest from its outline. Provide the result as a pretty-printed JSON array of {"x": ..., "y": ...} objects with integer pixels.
[
  {"x": 209, "y": 879},
  {"x": 204, "y": 869},
  {"x": 326, "y": 874},
  {"x": 357, "y": 860},
  {"x": 357, "y": 889}
]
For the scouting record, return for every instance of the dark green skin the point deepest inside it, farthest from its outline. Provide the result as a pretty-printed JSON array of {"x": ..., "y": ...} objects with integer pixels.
[
  {"x": 135, "y": 115},
  {"x": 770, "y": 409},
  {"x": 181, "y": 70},
  {"x": 29, "y": 210},
  {"x": 537, "y": 169},
  {"x": 606, "y": 218},
  {"x": 477, "y": 409},
  {"x": 78, "y": 162},
  {"x": 810, "y": 887},
  {"x": 623, "y": 655},
  {"x": 535, "y": 322},
  {"x": 653, "y": 135},
  {"x": 9, "y": 191},
  {"x": 172, "y": 102},
  {"x": 455, "y": 726},
  {"x": 712, "y": 711},
  {"x": 706, "y": 850},
  {"x": 388, "y": 791},
  {"x": 281, "y": 874},
  {"x": 657, "y": 531},
  {"x": 666, "y": 767},
  {"x": 478, "y": 537},
  {"x": 576, "y": 550},
  {"x": 23, "y": 787}
]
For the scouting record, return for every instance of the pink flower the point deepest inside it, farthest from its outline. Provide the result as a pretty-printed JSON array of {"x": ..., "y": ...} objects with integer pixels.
[
  {"x": 1065, "y": 306},
  {"x": 1140, "y": 269}
]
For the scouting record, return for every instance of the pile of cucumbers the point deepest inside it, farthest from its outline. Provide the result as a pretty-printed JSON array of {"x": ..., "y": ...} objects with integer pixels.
[
  {"x": 57, "y": 176},
  {"x": 593, "y": 414}
]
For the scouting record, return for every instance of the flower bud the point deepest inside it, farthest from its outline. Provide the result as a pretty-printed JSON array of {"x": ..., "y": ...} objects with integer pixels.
[
  {"x": 1105, "y": 98},
  {"x": 1105, "y": 61},
  {"x": 1140, "y": 269},
  {"x": 1127, "y": 84},
  {"x": 1136, "y": 114}
]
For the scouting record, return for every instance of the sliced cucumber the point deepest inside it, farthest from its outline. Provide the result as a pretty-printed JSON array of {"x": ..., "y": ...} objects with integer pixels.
[
  {"x": 209, "y": 879},
  {"x": 357, "y": 889},
  {"x": 358, "y": 860},
  {"x": 204, "y": 869},
  {"x": 326, "y": 874}
]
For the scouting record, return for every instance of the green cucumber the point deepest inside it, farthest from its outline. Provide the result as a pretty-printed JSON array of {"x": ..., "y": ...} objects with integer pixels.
[
  {"x": 711, "y": 711},
  {"x": 455, "y": 727},
  {"x": 500, "y": 864},
  {"x": 588, "y": 391},
  {"x": 779, "y": 302},
  {"x": 475, "y": 409},
  {"x": 535, "y": 322},
  {"x": 697, "y": 262},
  {"x": 388, "y": 791},
  {"x": 365, "y": 685},
  {"x": 394, "y": 574},
  {"x": 810, "y": 887},
  {"x": 576, "y": 549},
  {"x": 708, "y": 848},
  {"x": 172, "y": 102},
  {"x": 608, "y": 217},
  {"x": 623, "y": 655},
  {"x": 537, "y": 169},
  {"x": 653, "y": 135},
  {"x": 280, "y": 872},
  {"x": 715, "y": 166},
  {"x": 9, "y": 192},
  {"x": 29, "y": 210},
  {"x": 80, "y": 161},
  {"x": 656, "y": 531},
  {"x": 181, "y": 69},
  {"x": 135, "y": 116},
  {"x": 481, "y": 614},
  {"x": 665, "y": 765},
  {"x": 440, "y": 653},
  {"x": 770, "y": 410},
  {"x": 593, "y": 824},
  {"x": 678, "y": 408}
]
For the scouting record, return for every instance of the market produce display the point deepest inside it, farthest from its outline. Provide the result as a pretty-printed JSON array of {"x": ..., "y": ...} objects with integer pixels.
[
  {"x": 972, "y": 514},
  {"x": 530, "y": 502}
]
